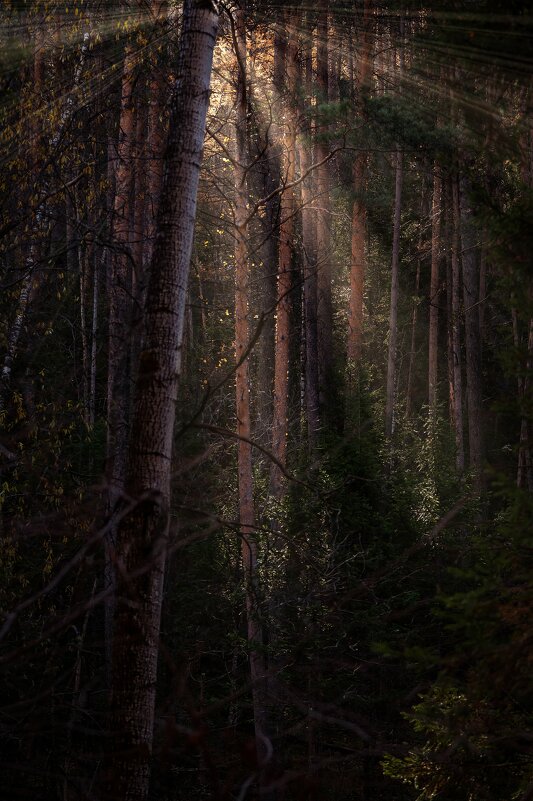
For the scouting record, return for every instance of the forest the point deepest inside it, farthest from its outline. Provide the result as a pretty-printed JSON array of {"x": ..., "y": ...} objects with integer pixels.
[{"x": 266, "y": 400}]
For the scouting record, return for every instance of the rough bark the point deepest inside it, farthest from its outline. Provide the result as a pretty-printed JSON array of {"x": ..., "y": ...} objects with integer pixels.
[{"x": 144, "y": 517}]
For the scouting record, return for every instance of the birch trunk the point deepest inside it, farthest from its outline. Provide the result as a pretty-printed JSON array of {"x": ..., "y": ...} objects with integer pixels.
[{"x": 144, "y": 525}]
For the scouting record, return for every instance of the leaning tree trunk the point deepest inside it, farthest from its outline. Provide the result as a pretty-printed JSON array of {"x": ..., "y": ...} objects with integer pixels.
[{"x": 143, "y": 525}]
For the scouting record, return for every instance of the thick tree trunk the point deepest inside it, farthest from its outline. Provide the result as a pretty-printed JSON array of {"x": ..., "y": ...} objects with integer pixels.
[
  {"x": 472, "y": 336},
  {"x": 395, "y": 286},
  {"x": 144, "y": 517}
]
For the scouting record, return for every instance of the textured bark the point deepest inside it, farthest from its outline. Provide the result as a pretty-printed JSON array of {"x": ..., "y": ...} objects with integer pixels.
[
  {"x": 286, "y": 244},
  {"x": 472, "y": 335},
  {"x": 395, "y": 283},
  {"x": 143, "y": 527},
  {"x": 434, "y": 292}
]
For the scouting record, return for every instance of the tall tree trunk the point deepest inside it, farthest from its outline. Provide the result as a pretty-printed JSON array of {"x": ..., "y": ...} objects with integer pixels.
[
  {"x": 358, "y": 266},
  {"x": 286, "y": 244},
  {"x": 143, "y": 525},
  {"x": 31, "y": 257},
  {"x": 456, "y": 330},
  {"x": 434, "y": 293},
  {"x": 472, "y": 335},
  {"x": 395, "y": 286},
  {"x": 304, "y": 148},
  {"x": 412, "y": 347},
  {"x": 156, "y": 135},
  {"x": 414, "y": 314},
  {"x": 242, "y": 387},
  {"x": 323, "y": 220},
  {"x": 120, "y": 321},
  {"x": 358, "y": 244},
  {"x": 94, "y": 340},
  {"x": 524, "y": 478}
]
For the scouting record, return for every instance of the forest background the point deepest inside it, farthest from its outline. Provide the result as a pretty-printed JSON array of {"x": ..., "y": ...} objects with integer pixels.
[{"x": 266, "y": 399}]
